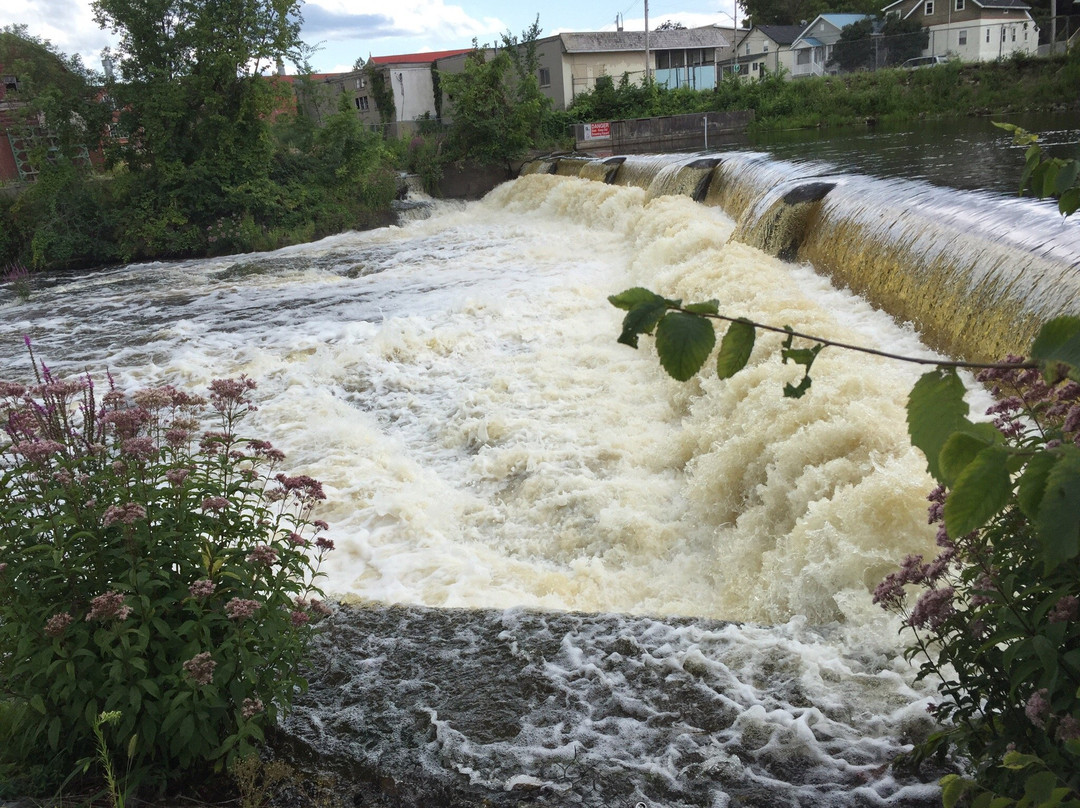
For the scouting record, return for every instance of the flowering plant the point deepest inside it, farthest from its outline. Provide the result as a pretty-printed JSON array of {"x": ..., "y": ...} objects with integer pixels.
[
  {"x": 152, "y": 563},
  {"x": 997, "y": 616}
]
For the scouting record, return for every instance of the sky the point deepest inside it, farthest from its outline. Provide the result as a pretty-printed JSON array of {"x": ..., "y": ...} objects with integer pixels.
[{"x": 342, "y": 30}]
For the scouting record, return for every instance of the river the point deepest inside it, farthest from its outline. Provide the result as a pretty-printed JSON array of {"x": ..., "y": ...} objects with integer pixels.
[{"x": 577, "y": 580}]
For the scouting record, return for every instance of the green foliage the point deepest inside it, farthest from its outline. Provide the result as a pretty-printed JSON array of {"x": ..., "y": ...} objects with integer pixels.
[
  {"x": 382, "y": 92},
  {"x": 1048, "y": 176},
  {"x": 153, "y": 565}
]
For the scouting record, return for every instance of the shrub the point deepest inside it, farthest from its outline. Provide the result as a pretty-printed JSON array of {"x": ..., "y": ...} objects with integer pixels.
[
  {"x": 152, "y": 563},
  {"x": 997, "y": 619}
]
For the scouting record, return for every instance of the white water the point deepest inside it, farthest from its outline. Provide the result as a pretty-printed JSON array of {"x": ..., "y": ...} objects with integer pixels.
[{"x": 485, "y": 442}]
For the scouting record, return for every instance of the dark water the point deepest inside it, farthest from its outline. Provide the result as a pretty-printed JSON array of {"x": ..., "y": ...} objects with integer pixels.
[{"x": 965, "y": 153}]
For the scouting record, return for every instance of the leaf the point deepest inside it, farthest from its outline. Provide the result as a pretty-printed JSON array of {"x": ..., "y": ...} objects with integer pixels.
[
  {"x": 1032, "y": 483},
  {"x": 735, "y": 348},
  {"x": 684, "y": 342},
  {"x": 936, "y": 409},
  {"x": 1058, "y": 341},
  {"x": 1066, "y": 177},
  {"x": 959, "y": 450},
  {"x": 800, "y": 356},
  {"x": 953, "y": 787},
  {"x": 1069, "y": 202},
  {"x": 979, "y": 493},
  {"x": 642, "y": 319},
  {"x": 632, "y": 297},
  {"x": 1038, "y": 787},
  {"x": 708, "y": 307},
  {"x": 1057, "y": 525}
]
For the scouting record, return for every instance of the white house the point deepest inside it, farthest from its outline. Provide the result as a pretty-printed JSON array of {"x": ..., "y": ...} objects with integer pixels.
[
  {"x": 972, "y": 30},
  {"x": 764, "y": 49},
  {"x": 813, "y": 48}
]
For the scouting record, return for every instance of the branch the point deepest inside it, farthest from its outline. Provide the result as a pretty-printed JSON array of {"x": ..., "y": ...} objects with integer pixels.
[{"x": 953, "y": 363}]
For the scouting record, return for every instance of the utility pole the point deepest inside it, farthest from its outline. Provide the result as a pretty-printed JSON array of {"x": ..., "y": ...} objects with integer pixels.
[{"x": 647, "y": 69}]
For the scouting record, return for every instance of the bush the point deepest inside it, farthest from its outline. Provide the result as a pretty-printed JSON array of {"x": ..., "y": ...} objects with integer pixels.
[
  {"x": 997, "y": 619},
  {"x": 152, "y": 567}
]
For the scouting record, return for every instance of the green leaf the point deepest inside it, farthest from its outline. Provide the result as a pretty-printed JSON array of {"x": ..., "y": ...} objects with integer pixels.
[
  {"x": 959, "y": 450},
  {"x": 38, "y": 703},
  {"x": 979, "y": 493},
  {"x": 1069, "y": 202},
  {"x": 1057, "y": 525},
  {"x": 708, "y": 307},
  {"x": 633, "y": 297},
  {"x": 953, "y": 787},
  {"x": 1032, "y": 483},
  {"x": 684, "y": 342},
  {"x": 1066, "y": 177},
  {"x": 735, "y": 348},
  {"x": 935, "y": 409},
  {"x": 642, "y": 319},
  {"x": 1017, "y": 760},
  {"x": 1038, "y": 787},
  {"x": 1058, "y": 341}
]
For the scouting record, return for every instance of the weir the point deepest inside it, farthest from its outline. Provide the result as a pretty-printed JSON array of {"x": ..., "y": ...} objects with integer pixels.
[
  {"x": 976, "y": 274},
  {"x": 570, "y": 580}
]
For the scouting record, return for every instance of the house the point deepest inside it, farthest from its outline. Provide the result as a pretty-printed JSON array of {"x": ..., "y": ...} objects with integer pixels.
[
  {"x": 407, "y": 79},
  {"x": 22, "y": 133},
  {"x": 972, "y": 30},
  {"x": 812, "y": 48},
  {"x": 570, "y": 63},
  {"x": 763, "y": 49}
]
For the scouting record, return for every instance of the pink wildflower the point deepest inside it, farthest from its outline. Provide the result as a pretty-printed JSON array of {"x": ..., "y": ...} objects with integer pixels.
[
  {"x": 108, "y": 606},
  {"x": 125, "y": 514},
  {"x": 251, "y": 708},
  {"x": 56, "y": 625},
  {"x": 202, "y": 589},
  {"x": 1037, "y": 708},
  {"x": 228, "y": 393},
  {"x": 1065, "y": 610},
  {"x": 177, "y": 476},
  {"x": 296, "y": 540},
  {"x": 1068, "y": 729},
  {"x": 320, "y": 525},
  {"x": 239, "y": 609},
  {"x": 299, "y": 618},
  {"x": 933, "y": 608},
  {"x": 214, "y": 504},
  {"x": 320, "y": 608},
  {"x": 324, "y": 543},
  {"x": 301, "y": 486},
  {"x": 201, "y": 668},
  {"x": 142, "y": 448},
  {"x": 263, "y": 554},
  {"x": 37, "y": 450}
]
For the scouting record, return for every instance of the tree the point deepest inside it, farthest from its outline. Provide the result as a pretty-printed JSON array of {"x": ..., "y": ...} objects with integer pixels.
[
  {"x": 194, "y": 105},
  {"x": 670, "y": 25},
  {"x": 897, "y": 40},
  {"x": 498, "y": 110}
]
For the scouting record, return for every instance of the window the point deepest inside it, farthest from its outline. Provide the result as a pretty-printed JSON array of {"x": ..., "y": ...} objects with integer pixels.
[
  {"x": 961, "y": 37},
  {"x": 1013, "y": 29},
  {"x": 753, "y": 67},
  {"x": 11, "y": 83},
  {"x": 959, "y": 5},
  {"x": 766, "y": 47},
  {"x": 545, "y": 77},
  {"x": 747, "y": 48},
  {"x": 928, "y": 7},
  {"x": 1003, "y": 33},
  {"x": 803, "y": 57},
  {"x": 987, "y": 34},
  {"x": 362, "y": 103}
]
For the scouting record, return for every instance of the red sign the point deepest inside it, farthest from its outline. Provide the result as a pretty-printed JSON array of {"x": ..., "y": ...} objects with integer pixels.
[{"x": 597, "y": 130}]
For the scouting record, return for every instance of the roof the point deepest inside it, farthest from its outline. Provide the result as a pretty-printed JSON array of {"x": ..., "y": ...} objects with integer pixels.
[
  {"x": 841, "y": 20},
  {"x": 1019, "y": 5},
  {"x": 417, "y": 58},
  {"x": 610, "y": 41},
  {"x": 781, "y": 34}
]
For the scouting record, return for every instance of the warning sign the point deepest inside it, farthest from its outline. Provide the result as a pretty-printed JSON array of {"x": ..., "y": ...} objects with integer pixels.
[{"x": 597, "y": 130}]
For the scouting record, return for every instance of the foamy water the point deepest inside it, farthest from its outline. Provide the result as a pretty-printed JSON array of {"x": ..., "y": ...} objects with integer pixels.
[{"x": 485, "y": 442}]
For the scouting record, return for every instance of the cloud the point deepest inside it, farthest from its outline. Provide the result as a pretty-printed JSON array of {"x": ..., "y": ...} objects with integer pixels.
[{"x": 366, "y": 20}]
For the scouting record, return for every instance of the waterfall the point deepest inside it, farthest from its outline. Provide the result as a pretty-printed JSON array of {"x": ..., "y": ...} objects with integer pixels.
[
  {"x": 976, "y": 273},
  {"x": 574, "y": 579}
]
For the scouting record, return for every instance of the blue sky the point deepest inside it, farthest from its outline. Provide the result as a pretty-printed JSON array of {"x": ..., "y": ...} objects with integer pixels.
[{"x": 342, "y": 30}]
